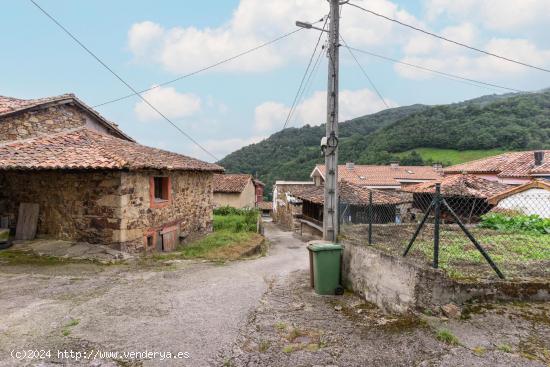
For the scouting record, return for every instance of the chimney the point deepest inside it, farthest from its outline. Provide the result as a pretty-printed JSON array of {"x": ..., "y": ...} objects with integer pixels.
[
  {"x": 350, "y": 165},
  {"x": 437, "y": 166},
  {"x": 539, "y": 157},
  {"x": 394, "y": 165}
]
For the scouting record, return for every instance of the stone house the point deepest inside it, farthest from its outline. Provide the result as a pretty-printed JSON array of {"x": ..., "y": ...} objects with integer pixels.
[
  {"x": 287, "y": 208},
  {"x": 93, "y": 183},
  {"x": 237, "y": 190}
]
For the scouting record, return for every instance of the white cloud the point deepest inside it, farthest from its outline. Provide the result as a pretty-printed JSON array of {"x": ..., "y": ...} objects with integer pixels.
[
  {"x": 168, "y": 101},
  {"x": 500, "y": 15},
  {"x": 183, "y": 49},
  {"x": 270, "y": 116}
]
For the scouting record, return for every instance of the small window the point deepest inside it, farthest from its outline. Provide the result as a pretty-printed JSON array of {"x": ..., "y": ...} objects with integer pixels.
[
  {"x": 161, "y": 188},
  {"x": 149, "y": 242}
]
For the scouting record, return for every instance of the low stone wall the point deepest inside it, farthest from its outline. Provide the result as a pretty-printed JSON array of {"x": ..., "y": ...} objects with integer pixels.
[{"x": 397, "y": 285}]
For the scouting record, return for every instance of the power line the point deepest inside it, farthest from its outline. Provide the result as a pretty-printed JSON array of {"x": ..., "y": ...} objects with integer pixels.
[
  {"x": 122, "y": 80},
  {"x": 365, "y": 73},
  {"x": 449, "y": 40},
  {"x": 308, "y": 84},
  {"x": 441, "y": 73},
  {"x": 292, "y": 108},
  {"x": 204, "y": 68}
]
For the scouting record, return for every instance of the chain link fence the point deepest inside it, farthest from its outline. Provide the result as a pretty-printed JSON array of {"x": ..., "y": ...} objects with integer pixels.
[{"x": 465, "y": 235}]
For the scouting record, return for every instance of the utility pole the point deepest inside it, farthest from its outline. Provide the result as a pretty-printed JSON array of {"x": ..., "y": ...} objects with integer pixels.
[{"x": 330, "y": 209}]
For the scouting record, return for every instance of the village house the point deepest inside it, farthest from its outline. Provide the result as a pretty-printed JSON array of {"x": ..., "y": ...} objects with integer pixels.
[
  {"x": 89, "y": 181},
  {"x": 388, "y": 177},
  {"x": 514, "y": 168},
  {"x": 287, "y": 209},
  {"x": 468, "y": 195},
  {"x": 237, "y": 190},
  {"x": 532, "y": 198}
]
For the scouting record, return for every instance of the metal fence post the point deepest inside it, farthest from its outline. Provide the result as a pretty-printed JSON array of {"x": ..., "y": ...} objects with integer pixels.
[
  {"x": 437, "y": 213},
  {"x": 370, "y": 217}
]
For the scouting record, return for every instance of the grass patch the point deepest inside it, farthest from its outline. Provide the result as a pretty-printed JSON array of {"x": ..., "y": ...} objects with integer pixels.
[
  {"x": 67, "y": 328},
  {"x": 281, "y": 326},
  {"x": 506, "y": 348},
  {"x": 221, "y": 245},
  {"x": 9, "y": 257},
  {"x": 446, "y": 336},
  {"x": 264, "y": 346},
  {"x": 452, "y": 156}
]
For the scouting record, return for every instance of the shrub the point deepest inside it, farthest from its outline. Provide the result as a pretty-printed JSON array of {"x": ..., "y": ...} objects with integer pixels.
[
  {"x": 510, "y": 222},
  {"x": 235, "y": 220}
]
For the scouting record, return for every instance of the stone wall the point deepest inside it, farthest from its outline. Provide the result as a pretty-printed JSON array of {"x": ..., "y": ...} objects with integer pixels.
[
  {"x": 189, "y": 210},
  {"x": 111, "y": 207},
  {"x": 73, "y": 205},
  {"x": 398, "y": 285},
  {"x": 44, "y": 121}
]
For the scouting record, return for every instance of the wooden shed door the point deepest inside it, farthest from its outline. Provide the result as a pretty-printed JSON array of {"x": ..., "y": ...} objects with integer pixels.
[{"x": 169, "y": 238}]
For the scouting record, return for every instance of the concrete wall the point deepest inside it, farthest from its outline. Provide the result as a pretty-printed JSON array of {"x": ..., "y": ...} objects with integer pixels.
[
  {"x": 109, "y": 207},
  {"x": 532, "y": 201},
  {"x": 397, "y": 285},
  {"x": 245, "y": 199}
]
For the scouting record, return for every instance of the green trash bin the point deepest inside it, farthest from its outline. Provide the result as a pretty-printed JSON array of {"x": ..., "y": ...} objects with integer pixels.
[{"x": 326, "y": 267}]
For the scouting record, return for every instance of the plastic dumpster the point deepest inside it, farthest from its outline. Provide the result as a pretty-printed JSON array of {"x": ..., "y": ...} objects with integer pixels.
[{"x": 325, "y": 267}]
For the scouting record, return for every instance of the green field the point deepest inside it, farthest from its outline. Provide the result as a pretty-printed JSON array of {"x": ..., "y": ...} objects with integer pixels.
[{"x": 451, "y": 156}]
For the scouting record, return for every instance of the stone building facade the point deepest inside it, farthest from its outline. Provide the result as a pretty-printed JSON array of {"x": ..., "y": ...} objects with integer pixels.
[{"x": 94, "y": 184}]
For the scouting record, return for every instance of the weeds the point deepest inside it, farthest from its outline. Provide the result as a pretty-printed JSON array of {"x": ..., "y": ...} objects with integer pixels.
[{"x": 446, "y": 336}]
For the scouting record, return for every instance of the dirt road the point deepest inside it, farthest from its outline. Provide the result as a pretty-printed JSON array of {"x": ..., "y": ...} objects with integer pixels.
[{"x": 187, "y": 307}]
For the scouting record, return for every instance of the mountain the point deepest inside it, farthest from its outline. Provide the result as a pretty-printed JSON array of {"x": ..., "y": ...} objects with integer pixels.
[{"x": 492, "y": 123}]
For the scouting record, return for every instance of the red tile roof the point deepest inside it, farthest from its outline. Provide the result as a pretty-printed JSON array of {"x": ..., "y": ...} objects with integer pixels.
[
  {"x": 514, "y": 164},
  {"x": 87, "y": 149},
  {"x": 10, "y": 105},
  {"x": 371, "y": 175},
  {"x": 535, "y": 184},
  {"x": 350, "y": 194},
  {"x": 461, "y": 185},
  {"x": 231, "y": 183},
  {"x": 265, "y": 205}
]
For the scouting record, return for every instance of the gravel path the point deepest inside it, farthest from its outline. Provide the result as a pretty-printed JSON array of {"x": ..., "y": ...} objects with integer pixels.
[{"x": 190, "y": 307}]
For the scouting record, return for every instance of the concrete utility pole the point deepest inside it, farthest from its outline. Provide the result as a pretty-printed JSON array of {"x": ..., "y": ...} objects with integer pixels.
[{"x": 330, "y": 209}]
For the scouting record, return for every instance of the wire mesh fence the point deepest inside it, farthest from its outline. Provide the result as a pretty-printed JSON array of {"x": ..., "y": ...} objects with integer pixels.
[{"x": 469, "y": 236}]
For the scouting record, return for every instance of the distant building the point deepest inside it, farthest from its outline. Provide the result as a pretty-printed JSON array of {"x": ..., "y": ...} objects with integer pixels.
[
  {"x": 237, "y": 190},
  {"x": 93, "y": 183},
  {"x": 287, "y": 208},
  {"x": 529, "y": 198},
  {"x": 388, "y": 177},
  {"x": 514, "y": 168}
]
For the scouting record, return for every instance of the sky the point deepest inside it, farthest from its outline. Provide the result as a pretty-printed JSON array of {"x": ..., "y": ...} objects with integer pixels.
[{"x": 245, "y": 100}]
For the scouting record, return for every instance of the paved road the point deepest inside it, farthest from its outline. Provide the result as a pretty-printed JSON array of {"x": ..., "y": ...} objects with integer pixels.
[{"x": 189, "y": 307}]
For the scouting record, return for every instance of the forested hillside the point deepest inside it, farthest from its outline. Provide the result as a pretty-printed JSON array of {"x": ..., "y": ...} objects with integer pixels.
[{"x": 505, "y": 122}]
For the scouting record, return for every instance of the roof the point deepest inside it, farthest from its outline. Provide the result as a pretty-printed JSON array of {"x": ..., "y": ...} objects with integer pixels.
[
  {"x": 231, "y": 183},
  {"x": 265, "y": 205},
  {"x": 371, "y": 175},
  {"x": 514, "y": 164},
  {"x": 83, "y": 148},
  {"x": 460, "y": 185},
  {"x": 535, "y": 184},
  {"x": 351, "y": 194},
  {"x": 10, "y": 106}
]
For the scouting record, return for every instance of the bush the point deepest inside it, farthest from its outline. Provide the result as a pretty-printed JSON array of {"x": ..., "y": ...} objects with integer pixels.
[
  {"x": 235, "y": 220},
  {"x": 520, "y": 222}
]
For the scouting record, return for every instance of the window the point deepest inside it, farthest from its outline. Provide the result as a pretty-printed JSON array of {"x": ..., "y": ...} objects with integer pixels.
[
  {"x": 161, "y": 188},
  {"x": 160, "y": 191}
]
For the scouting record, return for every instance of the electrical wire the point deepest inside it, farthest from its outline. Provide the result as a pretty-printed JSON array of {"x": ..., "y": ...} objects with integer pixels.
[
  {"x": 121, "y": 79},
  {"x": 274, "y": 40},
  {"x": 441, "y": 73},
  {"x": 449, "y": 40},
  {"x": 365, "y": 73},
  {"x": 294, "y": 104}
]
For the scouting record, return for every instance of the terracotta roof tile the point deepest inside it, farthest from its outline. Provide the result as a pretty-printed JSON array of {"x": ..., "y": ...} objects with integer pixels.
[
  {"x": 371, "y": 175},
  {"x": 265, "y": 205},
  {"x": 231, "y": 183},
  {"x": 514, "y": 164},
  {"x": 351, "y": 194},
  {"x": 86, "y": 149},
  {"x": 461, "y": 185}
]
